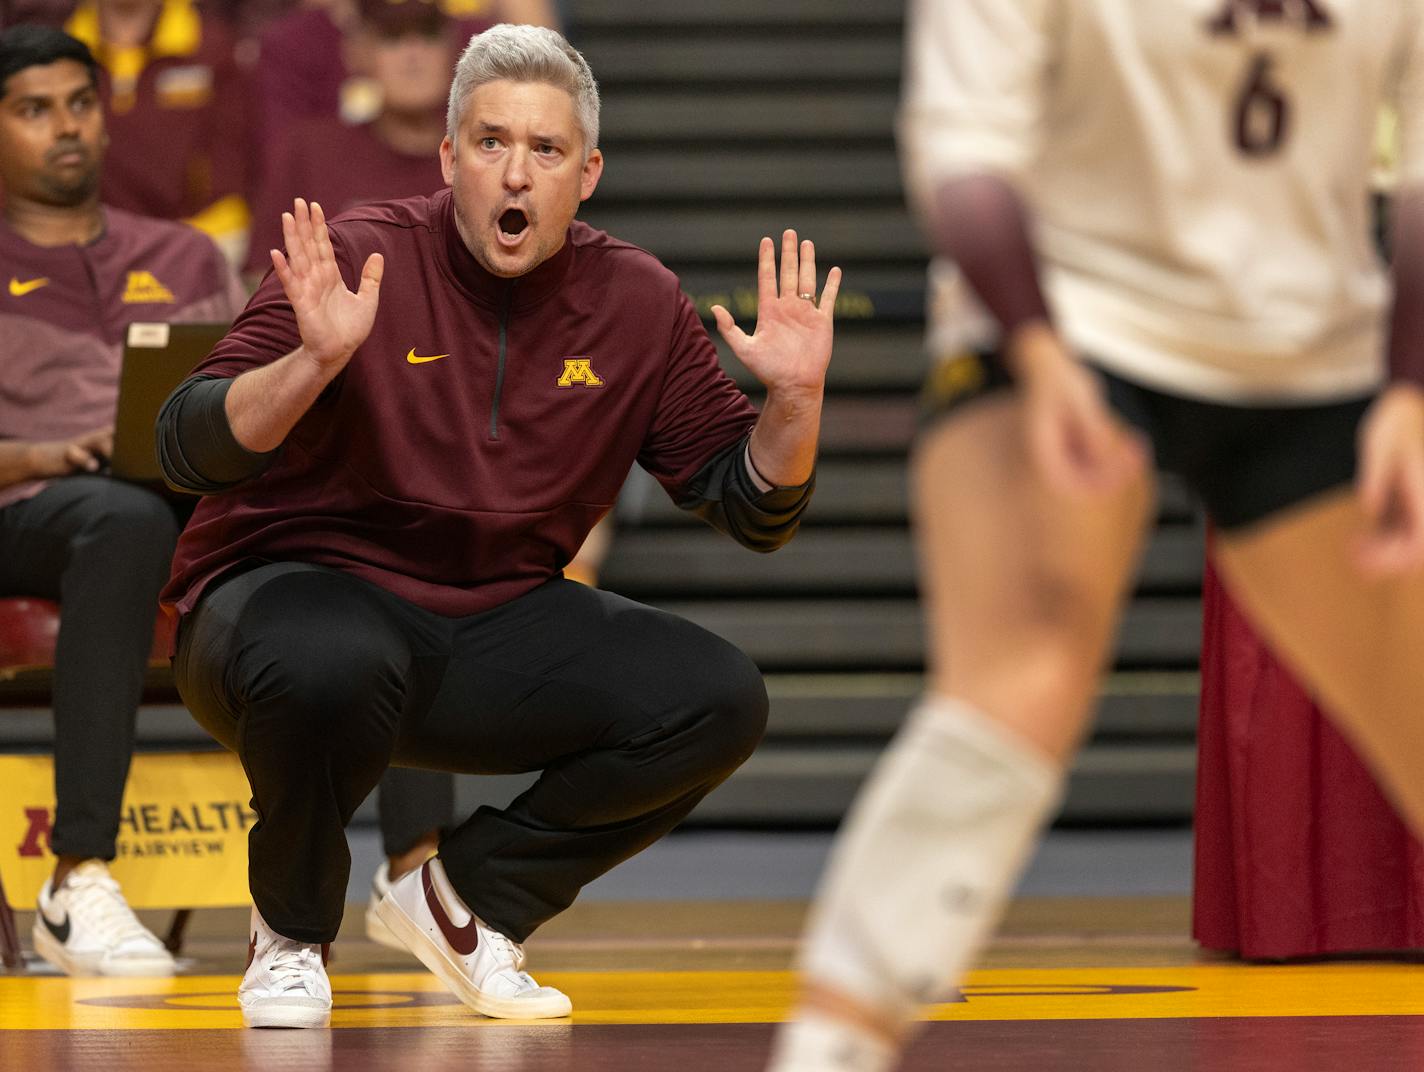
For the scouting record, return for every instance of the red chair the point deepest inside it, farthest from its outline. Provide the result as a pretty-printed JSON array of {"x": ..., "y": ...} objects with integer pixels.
[{"x": 28, "y": 629}]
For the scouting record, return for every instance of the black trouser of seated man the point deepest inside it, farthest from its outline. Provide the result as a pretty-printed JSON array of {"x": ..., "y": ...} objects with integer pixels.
[{"x": 103, "y": 549}]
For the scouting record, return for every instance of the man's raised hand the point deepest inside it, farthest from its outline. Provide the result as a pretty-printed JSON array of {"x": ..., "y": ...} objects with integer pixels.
[
  {"x": 790, "y": 348},
  {"x": 332, "y": 320}
]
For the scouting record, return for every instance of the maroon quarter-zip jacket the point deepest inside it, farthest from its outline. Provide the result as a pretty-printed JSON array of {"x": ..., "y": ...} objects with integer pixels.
[{"x": 480, "y": 431}]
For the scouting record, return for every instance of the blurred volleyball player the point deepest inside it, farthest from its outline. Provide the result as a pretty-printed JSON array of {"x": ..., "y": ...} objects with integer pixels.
[{"x": 1164, "y": 209}]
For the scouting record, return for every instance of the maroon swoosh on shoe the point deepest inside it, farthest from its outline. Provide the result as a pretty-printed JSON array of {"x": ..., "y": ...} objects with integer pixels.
[{"x": 463, "y": 940}]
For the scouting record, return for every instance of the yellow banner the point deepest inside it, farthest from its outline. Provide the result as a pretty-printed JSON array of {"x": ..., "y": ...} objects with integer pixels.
[{"x": 182, "y": 830}]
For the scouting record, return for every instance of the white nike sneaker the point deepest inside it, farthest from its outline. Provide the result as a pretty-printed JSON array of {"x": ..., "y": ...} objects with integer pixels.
[
  {"x": 87, "y": 928},
  {"x": 376, "y": 929},
  {"x": 285, "y": 984},
  {"x": 480, "y": 966}
]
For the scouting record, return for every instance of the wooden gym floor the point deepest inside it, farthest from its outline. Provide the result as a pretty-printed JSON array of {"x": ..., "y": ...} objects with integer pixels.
[{"x": 1071, "y": 984}]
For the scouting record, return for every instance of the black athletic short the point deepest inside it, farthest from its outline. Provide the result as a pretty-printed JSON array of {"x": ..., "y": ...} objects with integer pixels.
[{"x": 1246, "y": 462}]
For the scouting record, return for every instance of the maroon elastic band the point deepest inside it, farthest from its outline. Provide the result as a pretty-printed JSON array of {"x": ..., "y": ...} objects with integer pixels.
[
  {"x": 1406, "y": 322},
  {"x": 980, "y": 222}
]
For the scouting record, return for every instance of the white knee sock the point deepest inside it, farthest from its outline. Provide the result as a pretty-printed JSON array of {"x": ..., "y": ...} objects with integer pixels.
[
  {"x": 927, "y": 858},
  {"x": 816, "y": 1043}
]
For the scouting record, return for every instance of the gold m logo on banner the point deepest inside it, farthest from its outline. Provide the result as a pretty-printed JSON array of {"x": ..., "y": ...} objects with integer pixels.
[{"x": 182, "y": 830}]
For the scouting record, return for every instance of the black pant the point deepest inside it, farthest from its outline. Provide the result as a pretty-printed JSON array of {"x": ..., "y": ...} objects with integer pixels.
[
  {"x": 318, "y": 680},
  {"x": 103, "y": 549},
  {"x": 412, "y": 803}
]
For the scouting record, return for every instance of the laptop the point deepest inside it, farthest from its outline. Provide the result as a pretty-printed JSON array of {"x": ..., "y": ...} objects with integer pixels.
[{"x": 157, "y": 358}]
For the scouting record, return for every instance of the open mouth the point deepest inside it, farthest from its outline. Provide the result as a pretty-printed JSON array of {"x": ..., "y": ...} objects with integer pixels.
[{"x": 512, "y": 223}]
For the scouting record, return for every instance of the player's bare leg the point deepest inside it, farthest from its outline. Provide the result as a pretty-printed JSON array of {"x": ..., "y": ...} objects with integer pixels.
[
  {"x": 1022, "y": 588},
  {"x": 1354, "y": 640}
]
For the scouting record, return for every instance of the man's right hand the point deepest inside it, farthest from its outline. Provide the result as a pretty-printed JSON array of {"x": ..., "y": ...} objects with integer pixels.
[
  {"x": 332, "y": 320},
  {"x": 81, "y": 454}
]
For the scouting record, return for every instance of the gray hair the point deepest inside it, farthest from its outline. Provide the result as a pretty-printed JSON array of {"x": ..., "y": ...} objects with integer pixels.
[{"x": 526, "y": 54}]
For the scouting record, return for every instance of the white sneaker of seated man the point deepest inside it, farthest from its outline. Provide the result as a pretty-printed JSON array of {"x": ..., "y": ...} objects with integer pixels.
[
  {"x": 480, "y": 966},
  {"x": 85, "y": 927},
  {"x": 285, "y": 984}
]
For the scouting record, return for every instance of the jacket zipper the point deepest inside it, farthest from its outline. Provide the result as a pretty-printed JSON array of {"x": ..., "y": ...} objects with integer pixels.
[{"x": 499, "y": 368}]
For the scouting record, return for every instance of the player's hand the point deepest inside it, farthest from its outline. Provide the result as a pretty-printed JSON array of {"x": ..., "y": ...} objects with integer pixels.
[
  {"x": 1074, "y": 441},
  {"x": 790, "y": 348},
  {"x": 1390, "y": 482},
  {"x": 332, "y": 320},
  {"x": 82, "y": 454}
]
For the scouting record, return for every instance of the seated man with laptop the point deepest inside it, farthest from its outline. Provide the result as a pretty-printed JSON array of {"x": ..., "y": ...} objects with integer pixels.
[{"x": 75, "y": 276}]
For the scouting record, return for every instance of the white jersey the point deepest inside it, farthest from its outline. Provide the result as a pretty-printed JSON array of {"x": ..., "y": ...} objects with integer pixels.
[{"x": 1198, "y": 174}]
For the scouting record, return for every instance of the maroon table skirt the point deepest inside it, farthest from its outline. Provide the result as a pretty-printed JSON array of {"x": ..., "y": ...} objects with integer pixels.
[{"x": 1298, "y": 853}]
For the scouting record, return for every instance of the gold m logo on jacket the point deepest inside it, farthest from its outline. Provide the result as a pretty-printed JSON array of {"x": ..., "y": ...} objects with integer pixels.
[
  {"x": 579, "y": 370},
  {"x": 144, "y": 288}
]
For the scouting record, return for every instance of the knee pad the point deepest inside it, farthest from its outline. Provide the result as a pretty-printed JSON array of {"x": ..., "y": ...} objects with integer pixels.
[{"x": 927, "y": 858}]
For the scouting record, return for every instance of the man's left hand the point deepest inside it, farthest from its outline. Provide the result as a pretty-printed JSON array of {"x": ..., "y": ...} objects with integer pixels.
[{"x": 790, "y": 347}]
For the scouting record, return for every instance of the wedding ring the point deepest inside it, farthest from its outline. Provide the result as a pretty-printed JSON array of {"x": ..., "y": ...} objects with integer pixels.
[{"x": 808, "y": 297}]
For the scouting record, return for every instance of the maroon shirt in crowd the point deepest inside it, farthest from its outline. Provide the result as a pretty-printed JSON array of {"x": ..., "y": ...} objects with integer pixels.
[
  {"x": 301, "y": 68},
  {"x": 178, "y": 132},
  {"x": 337, "y": 165},
  {"x": 484, "y": 426}
]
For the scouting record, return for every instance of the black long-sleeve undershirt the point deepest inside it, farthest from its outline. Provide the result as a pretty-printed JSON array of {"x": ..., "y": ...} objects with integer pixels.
[{"x": 199, "y": 454}]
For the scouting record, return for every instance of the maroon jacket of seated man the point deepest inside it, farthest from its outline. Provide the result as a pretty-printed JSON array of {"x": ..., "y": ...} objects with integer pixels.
[{"x": 66, "y": 310}]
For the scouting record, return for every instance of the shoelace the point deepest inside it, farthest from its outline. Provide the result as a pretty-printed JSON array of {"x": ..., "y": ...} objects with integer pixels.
[
  {"x": 293, "y": 966},
  {"x": 97, "y": 902},
  {"x": 512, "y": 951},
  {"x": 507, "y": 948}
]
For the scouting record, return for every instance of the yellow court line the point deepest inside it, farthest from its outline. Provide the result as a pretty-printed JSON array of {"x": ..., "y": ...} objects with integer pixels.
[{"x": 710, "y": 997}]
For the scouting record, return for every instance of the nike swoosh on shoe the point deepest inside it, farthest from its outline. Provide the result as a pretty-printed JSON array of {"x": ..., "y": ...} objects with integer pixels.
[
  {"x": 60, "y": 931},
  {"x": 464, "y": 940}
]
